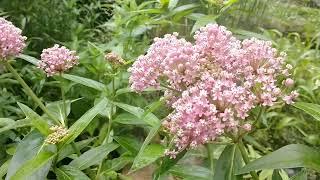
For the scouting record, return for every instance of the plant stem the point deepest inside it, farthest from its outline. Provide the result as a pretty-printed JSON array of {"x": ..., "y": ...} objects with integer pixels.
[
  {"x": 75, "y": 148},
  {"x": 167, "y": 87},
  {"x": 109, "y": 125},
  {"x": 246, "y": 158},
  {"x": 29, "y": 91},
  {"x": 210, "y": 157},
  {"x": 64, "y": 106},
  {"x": 258, "y": 117}
]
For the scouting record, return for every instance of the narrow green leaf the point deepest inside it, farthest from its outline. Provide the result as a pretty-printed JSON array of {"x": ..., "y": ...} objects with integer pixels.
[
  {"x": 6, "y": 121},
  {"x": 129, "y": 90},
  {"x": 192, "y": 172},
  {"x": 94, "y": 156},
  {"x": 183, "y": 8},
  {"x": 16, "y": 124},
  {"x": 291, "y": 156},
  {"x": 127, "y": 118},
  {"x": 31, "y": 166},
  {"x": 168, "y": 163},
  {"x": 36, "y": 120},
  {"x": 129, "y": 143},
  {"x": 68, "y": 150},
  {"x": 228, "y": 163},
  {"x": 153, "y": 131},
  {"x": 56, "y": 108},
  {"x": 116, "y": 164},
  {"x": 76, "y": 129},
  {"x": 25, "y": 151},
  {"x": 4, "y": 168},
  {"x": 86, "y": 82},
  {"x": 302, "y": 175},
  {"x": 202, "y": 21},
  {"x": 153, "y": 106},
  {"x": 310, "y": 108},
  {"x": 150, "y": 154},
  {"x": 172, "y": 4},
  {"x": 149, "y": 118},
  {"x": 70, "y": 173},
  {"x": 29, "y": 59}
]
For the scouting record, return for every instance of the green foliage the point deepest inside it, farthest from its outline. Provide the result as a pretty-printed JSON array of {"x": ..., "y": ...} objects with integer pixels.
[{"x": 115, "y": 133}]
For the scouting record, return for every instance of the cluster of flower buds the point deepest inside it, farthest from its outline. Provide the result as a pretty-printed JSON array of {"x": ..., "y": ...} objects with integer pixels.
[
  {"x": 213, "y": 83},
  {"x": 11, "y": 40},
  {"x": 57, "y": 59},
  {"x": 114, "y": 59},
  {"x": 58, "y": 132}
]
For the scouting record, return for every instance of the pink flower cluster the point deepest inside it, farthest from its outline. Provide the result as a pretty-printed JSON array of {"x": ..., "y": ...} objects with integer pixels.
[
  {"x": 11, "y": 40},
  {"x": 57, "y": 59},
  {"x": 213, "y": 83}
]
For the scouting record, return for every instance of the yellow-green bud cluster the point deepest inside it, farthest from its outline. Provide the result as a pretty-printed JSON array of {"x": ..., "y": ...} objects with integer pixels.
[{"x": 58, "y": 132}]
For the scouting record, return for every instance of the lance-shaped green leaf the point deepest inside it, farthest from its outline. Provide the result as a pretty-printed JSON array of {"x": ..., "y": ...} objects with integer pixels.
[
  {"x": 40, "y": 161},
  {"x": 76, "y": 128},
  {"x": 94, "y": 156},
  {"x": 149, "y": 118},
  {"x": 152, "y": 133},
  {"x": 311, "y": 109},
  {"x": 26, "y": 150},
  {"x": 191, "y": 172},
  {"x": 29, "y": 59},
  {"x": 228, "y": 163},
  {"x": 86, "y": 82},
  {"x": 128, "y": 143},
  {"x": 4, "y": 168},
  {"x": 70, "y": 173},
  {"x": 56, "y": 109},
  {"x": 291, "y": 156},
  {"x": 68, "y": 149},
  {"x": 36, "y": 120},
  {"x": 16, "y": 124},
  {"x": 127, "y": 118},
  {"x": 302, "y": 175},
  {"x": 150, "y": 154},
  {"x": 167, "y": 163}
]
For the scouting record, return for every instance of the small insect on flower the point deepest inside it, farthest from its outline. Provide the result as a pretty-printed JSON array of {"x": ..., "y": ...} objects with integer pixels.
[
  {"x": 57, "y": 59},
  {"x": 57, "y": 134},
  {"x": 11, "y": 40}
]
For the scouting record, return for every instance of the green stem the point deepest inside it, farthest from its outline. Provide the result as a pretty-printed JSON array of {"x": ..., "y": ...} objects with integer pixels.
[
  {"x": 258, "y": 117},
  {"x": 210, "y": 157},
  {"x": 109, "y": 126},
  {"x": 167, "y": 87},
  {"x": 64, "y": 106},
  {"x": 75, "y": 148},
  {"x": 29, "y": 91},
  {"x": 246, "y": 158}
]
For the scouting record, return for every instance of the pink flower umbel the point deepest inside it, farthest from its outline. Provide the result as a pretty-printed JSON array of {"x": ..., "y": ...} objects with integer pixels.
[
  {"x": 57, "y": 59},
  {"x": 11, "y": 40},
  {"x": 213, "y": 83}
]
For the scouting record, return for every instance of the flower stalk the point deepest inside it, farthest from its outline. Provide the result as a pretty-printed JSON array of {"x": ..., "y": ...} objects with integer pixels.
[
  {"x": 246, "y": 158},
  {"x": 29, "y": 92}
]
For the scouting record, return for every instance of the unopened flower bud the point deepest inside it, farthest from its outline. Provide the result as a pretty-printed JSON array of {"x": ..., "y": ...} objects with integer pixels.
[
  {"x": 58, "y": 132},
  {"x": 247, "y": 127},
  {"x": 114, "y": 59},
  {"x": 288, "y": 82}
]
